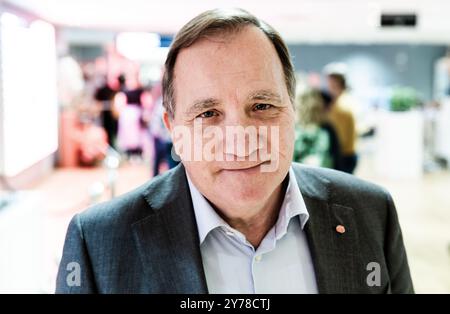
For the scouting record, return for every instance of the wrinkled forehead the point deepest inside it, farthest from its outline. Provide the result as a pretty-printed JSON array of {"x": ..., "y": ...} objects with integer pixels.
[{"x": 240, "y": 61}]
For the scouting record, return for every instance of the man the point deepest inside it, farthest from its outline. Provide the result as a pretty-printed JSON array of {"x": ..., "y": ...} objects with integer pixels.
[
  {"x": 247, "y": 220},
  {"x": 341, "y": 116}
]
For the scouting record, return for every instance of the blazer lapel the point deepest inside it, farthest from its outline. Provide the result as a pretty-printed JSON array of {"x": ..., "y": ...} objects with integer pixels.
[
  {"x": 334, "y": 254},
  {"x": 167, "y": 239}
]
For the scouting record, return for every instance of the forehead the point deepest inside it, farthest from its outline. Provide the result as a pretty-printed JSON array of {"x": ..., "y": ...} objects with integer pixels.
[{"x": 238, "y": 63}]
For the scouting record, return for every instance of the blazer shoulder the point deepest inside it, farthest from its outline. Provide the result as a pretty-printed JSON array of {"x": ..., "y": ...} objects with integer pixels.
[
  {"x": 119, "y": 210},
  {"x": 341, "y": 188},
  {"x": 132, "y": 206}
]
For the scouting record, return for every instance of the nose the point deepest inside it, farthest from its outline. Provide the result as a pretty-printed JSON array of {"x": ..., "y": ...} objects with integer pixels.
[{"x": 241, "y": 136}]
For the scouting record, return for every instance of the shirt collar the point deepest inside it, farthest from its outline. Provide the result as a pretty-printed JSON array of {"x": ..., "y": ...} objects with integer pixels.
[
  {"x": 208, "y": 219},
  {"x": 293, "y": 205}
]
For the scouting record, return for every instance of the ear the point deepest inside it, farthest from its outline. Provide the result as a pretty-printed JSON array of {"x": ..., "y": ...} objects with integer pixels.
[{"x": 167, "y": 121}]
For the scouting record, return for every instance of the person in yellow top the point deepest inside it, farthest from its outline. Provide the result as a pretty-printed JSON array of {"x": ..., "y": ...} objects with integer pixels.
[{"x": 342, "y": 118}]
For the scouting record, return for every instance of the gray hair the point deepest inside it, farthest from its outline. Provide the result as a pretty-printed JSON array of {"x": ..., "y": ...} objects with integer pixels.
[{"x": 218, "y": 22}]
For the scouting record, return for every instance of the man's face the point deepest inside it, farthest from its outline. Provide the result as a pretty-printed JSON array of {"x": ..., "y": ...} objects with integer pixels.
[{"x": 226, "y": 82}]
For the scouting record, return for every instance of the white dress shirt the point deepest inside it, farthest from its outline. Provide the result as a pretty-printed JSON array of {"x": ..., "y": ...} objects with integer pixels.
[{"x": 282, "y": 262}]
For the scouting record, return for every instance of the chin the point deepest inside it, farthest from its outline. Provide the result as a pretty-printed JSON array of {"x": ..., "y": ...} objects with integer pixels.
[{"x": 246, "y": 193}]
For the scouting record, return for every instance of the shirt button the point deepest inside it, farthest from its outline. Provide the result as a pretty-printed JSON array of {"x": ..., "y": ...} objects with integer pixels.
[{"x": 258, "y": 258}]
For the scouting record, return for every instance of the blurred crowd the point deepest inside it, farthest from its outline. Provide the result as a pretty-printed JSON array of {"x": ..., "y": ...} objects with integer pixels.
[
  {"x": 107, "y": 106},
  {"x": 326, "y": 130}
]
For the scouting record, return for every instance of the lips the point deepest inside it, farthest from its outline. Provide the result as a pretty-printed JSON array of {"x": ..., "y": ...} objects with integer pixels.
[{"x": 243, "y": 166}]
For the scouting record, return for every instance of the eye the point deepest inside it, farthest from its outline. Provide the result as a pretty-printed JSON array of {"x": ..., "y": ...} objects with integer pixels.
[
  {"x": 207, "y": 114},
  {"x": 260, "y": 107}
]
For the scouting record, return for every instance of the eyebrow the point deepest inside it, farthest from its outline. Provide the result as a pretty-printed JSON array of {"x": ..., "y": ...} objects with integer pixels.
[
  {"x": 201, "y": 105},
  {"x": 265, "y": 95}
]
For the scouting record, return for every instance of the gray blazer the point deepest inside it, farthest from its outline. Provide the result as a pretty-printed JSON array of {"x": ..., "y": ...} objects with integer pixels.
[{"x": 146, "y": 241}]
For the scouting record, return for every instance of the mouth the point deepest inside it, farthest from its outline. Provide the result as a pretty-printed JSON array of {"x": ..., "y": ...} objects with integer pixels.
[{"x": 246, "y": 168}]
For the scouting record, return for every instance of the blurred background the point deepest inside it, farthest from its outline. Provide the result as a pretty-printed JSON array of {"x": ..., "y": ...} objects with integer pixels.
[{"x": 80, "y": 112}]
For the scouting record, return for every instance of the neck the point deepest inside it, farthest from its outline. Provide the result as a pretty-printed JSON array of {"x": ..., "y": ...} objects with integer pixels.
[{"x": 257, "y": 226}]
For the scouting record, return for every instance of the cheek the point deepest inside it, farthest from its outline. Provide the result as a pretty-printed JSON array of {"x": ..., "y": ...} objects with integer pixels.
[
  {"x": 201, "y": 173},
  {"x": 284, "y": 142},
  {"x": 289, "y": 138}
]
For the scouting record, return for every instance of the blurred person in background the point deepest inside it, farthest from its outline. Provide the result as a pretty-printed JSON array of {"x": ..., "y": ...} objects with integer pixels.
[
  {"x": 104, "y": 95},
  {"x": 148, "y": 112},
  {"x": 85, "y": 135},
  {"x": 431, "y": 113},
  {"x": 316, "y": 141},
  {"x": 162, "y": 141},
  {"x": 128, "y": 109},
  {"x": 342, "y": 118}
]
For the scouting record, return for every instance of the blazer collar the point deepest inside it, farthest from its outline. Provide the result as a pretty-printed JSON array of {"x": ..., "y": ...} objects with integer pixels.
[{"x": 171, "y": 225}]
